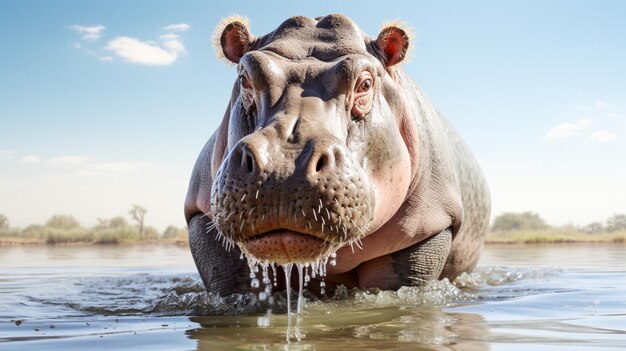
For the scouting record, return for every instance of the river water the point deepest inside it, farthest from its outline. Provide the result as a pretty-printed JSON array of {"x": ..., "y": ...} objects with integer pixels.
[{"x": 521, "y": 297}]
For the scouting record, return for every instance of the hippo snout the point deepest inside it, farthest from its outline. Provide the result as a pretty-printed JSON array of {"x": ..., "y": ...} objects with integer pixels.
[
  {"x": 282, "y": 202},
  {"x": 253, "y": 158}
]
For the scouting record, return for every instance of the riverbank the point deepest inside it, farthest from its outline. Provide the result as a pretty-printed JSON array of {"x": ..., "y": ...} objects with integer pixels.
[
  {"x": 43, "y": 242},
  {"x": 117, "y": 232},
  {"x": 87, "y": 237},
  {"x": 553, "y": 236}
]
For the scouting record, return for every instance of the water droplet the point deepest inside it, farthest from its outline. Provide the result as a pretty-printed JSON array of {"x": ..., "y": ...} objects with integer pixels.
[
  {"x": 287, "y": 269},
  {"x": 266, "y": 278},
  {"x": 273, "y": 265},
  {"x": 301, "y": 288}
]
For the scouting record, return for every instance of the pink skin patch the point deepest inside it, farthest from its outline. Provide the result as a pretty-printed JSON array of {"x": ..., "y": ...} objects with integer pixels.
[{"x": 285, "y": 246}]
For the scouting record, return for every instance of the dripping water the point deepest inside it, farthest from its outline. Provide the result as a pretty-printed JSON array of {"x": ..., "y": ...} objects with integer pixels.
[
  {"x": 306, "y": 272},
  {"x": 301, "y": 269},
  {"x": 287, "y": 269}
]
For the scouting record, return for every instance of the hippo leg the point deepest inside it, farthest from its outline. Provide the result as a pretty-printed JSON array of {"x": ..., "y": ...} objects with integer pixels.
[
  {"x": 414, "y": 266},
  {"x": 425, "y": 260},
  {"x": 222, "y": 271}
]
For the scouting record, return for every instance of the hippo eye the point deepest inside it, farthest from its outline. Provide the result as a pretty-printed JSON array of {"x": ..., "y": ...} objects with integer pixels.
[
  {"x": 365, "y": 86},
  {"x": 362, "y": 103},
  {"x": 245, "y": 83},
  {"x": 247, "y": 93}
]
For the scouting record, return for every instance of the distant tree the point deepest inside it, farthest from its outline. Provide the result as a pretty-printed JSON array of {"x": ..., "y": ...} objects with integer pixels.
[
  {"x": 118, "y": 222},
  {"x": 115, "y": 222},
  {"x": 616, "y": 223},
  {"x": 173, "y": 232},
  {"x": 150, "y": 233},
  {"x": 62, "y": 222},
  {"x": 593, "y": 228},
  {"x": 33, "y": 231},
  {"x": 170, "y": 232},
  {"x": 509, "y": 221},
  {"x": 4, "y": 222},
  {"x": 138, "y": 213}
]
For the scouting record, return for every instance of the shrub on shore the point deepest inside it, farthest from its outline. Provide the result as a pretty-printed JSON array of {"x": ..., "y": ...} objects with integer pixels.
[
  {"x": 64, "y": 229},
  {"x": 556, "y": 236},
  {"x": 528, "y": 227}
]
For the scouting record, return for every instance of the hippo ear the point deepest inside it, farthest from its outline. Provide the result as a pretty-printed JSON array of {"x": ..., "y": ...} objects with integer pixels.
[
  {"x": 232, "y": 38},
  {"x": 393, "y": 42}
]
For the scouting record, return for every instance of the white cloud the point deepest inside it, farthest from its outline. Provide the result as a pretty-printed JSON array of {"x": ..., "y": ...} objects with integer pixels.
[
  {"x": 69, "y": 160},
  {"x": 136, "y": 51},
  {"x": 600, "y": 104},
  {"x": 7, "y": 154},
  {"x": 562, "y": 130},
  {"x": 163, "y": 52},
  {"x": 568, "y": 129},
  {"x": 89, "y": 33},
  {"x": 172, "y": 43},
  {"x": 30, "y": 159},
  {"x": 180, "y": 27},
  {"x": 168, "y": 36},
  {"x": 603, "y": 136}
]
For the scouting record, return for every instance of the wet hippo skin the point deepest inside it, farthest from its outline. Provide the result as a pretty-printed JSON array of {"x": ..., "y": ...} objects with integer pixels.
[{"x": 326, "y": 146}]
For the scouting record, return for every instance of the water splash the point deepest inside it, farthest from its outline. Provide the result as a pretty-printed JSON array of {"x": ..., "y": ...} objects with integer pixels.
[
  {"x": 306, "y": 271},
  {"x": 147, "y": 294}
]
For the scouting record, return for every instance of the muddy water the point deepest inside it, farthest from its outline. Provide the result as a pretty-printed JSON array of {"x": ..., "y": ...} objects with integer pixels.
[{"x": 101, "y": 298}]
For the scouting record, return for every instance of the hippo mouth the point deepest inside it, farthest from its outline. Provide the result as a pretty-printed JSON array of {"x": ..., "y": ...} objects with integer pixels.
[{"x": 283, "y": 246}]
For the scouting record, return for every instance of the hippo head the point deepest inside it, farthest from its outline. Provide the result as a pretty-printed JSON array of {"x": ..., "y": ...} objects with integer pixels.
[{"x": 312, "y": 154}]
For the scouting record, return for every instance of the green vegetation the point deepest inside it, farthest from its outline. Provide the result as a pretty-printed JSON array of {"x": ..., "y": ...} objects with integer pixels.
[
  {"x": 554, "y": 235},
  {"x": 526, "y": 227},
  {"x": 65, "y": 229},
  {"x": 4, "y": 222},
  {"x": 530, "y": 228},
  {"x": 509, "y": 221}
]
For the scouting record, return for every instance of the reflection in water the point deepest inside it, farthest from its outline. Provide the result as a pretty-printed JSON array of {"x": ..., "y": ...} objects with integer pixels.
[
  {"x": 371, "y": 329},
  {"x": 122, "y": 297}
]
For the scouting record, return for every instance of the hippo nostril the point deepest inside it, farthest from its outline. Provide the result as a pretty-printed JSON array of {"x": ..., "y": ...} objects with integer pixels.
[
  {"x": 250, "y": 164},
  {"x": 247, "y": 161},
  {"x": 320, "y": 163}
]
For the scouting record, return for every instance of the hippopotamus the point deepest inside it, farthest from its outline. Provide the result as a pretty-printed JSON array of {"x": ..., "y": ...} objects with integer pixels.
[{"x": 328, "y": 151}]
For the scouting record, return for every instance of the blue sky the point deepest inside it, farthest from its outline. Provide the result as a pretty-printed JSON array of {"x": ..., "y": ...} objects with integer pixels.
[{"x": 105, "y": 104}]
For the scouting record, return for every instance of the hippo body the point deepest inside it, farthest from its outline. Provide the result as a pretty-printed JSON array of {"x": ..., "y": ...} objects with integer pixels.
[{"x": 328, "y": 148}]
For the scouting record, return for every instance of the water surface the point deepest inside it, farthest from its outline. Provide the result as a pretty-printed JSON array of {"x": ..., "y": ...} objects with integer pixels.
[{"x": 101, "y": 298}]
